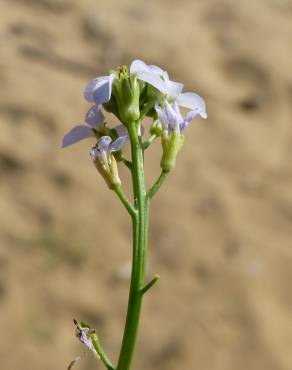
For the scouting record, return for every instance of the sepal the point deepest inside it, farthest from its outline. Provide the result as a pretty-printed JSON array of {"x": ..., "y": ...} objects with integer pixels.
[{"x": 170, "y": 148}]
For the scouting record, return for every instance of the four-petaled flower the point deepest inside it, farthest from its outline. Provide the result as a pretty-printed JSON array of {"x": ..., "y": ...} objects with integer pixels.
[{"x": 95, "y": 122}]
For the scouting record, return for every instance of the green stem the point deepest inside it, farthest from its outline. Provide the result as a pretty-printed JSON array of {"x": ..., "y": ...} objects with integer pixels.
[
  {"x": 140, "y": 232},
  {"x": 101, "y": 353},
  {"x": 126, "y": 162},
  {"x": 147, "y": 143},
  {"x": 128, "y": 205},
  {"x": 150, "y": 284},
  {"x": 157, "y": 184}
]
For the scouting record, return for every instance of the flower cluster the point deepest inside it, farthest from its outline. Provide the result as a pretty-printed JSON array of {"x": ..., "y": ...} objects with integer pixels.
[{"x": 131, "y": 94}]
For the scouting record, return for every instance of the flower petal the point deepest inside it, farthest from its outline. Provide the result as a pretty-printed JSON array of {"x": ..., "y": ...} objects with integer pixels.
[
  {"x": 99, "y": 90},
  {"x": 159, "y": 71},
  {"x": 175, "y": 107},
  {"x": 77, "y": 133},
  {"x": 88, "y": 90},
  {"x": 102, "y": 93},
  {"x": 162, "y": 116},
  {"x": 84, "y": 338},
  {"x": 174, "y": 88},
  {"x": 94, "y": 153},
  {"x": 188, "y": 119},
  {"x": 92, "y": 85},
  {"x": 138, "y": 66},
  {"x": 94, "y": 117},
  {"x": 154, "y": 80},
  {"x": 121, "y": 130},
  {"x": 193, "y": 101},
  {"x": 156, "y": 77},
  {"x": 173, "y": 117},
  {"x": 191, "y": 115},
  {"x": 104, "y": 142},
  {"x": 117, "y": 144}
]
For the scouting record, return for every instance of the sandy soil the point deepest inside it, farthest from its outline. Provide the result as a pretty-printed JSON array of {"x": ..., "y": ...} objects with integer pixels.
[{"x": 220, "y": 233}]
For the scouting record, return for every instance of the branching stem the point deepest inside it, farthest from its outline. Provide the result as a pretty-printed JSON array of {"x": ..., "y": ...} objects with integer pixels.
[
  {"x": 127, "y": 162},
  {"x": 150, "y": 284},
  {"x": 157, "y": 184},
  {"x": 147, "y": 143},
  {"x": 128, "y": 205}
]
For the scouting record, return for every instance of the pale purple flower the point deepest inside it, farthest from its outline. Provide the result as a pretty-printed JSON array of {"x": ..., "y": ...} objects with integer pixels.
[
  {"x": 105, "y": 146},
  {"x": 95, "y": 121},
  {"x": 99, "y": 90},
  {"x": 159, "y": 78},
  {"x": 171, "y": 118}
]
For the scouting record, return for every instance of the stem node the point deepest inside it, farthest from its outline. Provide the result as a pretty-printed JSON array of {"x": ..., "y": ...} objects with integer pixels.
[{"x": 150, "y": 284}]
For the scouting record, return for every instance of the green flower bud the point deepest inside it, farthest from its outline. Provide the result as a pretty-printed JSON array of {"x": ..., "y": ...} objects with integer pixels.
[
  {"x": 126, "y": 91},
  {"x": 170, "y": 148}
]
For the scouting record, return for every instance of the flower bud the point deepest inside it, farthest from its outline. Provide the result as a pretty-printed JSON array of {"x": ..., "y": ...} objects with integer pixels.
[
  {"x": 126, "y": 91},
  {"x": 170, "y": 148}
]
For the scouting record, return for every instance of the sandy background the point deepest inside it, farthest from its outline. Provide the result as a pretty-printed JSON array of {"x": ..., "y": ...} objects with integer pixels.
[{"x": 221, "y": 229}]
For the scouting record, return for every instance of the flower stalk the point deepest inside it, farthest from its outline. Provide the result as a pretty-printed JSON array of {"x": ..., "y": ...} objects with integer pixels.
[
  {"x": 140, "y": 233},
  {"x": 131, "y": 95}
]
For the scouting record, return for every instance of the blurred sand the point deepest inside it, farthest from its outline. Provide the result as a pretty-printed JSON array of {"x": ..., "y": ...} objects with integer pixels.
[{"x": 221, "y": 228}]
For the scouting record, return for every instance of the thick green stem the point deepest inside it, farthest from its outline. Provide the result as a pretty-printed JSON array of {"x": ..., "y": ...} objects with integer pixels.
[{"x": 140, "y": 232}]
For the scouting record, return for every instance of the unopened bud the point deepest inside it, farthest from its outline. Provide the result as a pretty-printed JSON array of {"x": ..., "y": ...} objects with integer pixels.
[
  {"x": 170, "y": 147},
  {"x": 126, "y": 91}
]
